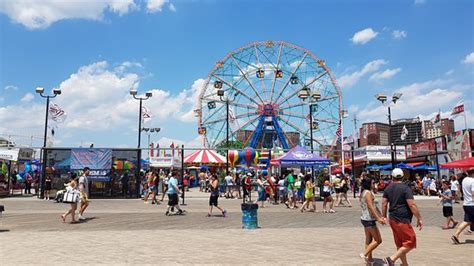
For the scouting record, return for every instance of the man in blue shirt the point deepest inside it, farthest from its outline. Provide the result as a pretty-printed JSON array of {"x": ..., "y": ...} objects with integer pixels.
[{"x": 173, "y": 191}]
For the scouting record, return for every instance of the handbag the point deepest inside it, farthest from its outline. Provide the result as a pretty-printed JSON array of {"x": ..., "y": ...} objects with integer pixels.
[{"x": 70, "y": 196}]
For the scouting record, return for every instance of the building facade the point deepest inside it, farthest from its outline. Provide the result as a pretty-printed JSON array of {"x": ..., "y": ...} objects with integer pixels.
[{"x": 446, "y": 127}]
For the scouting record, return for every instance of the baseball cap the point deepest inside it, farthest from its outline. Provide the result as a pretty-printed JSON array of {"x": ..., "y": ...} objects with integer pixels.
[{"x": 397, "y": 173}]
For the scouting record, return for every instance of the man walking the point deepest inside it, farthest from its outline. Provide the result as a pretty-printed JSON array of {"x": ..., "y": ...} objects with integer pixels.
[
  {"x": 84, "y": 192},
  {"x": 402, "y": 208},
  {"x": 290, "y": 180},
  {"x": 173, "y": 191},
  {"x": 468, "y": 205}
]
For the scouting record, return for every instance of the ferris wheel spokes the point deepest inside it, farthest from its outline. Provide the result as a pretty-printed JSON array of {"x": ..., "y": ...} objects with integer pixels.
[
  {"x": 236, "y": 89},
  {"x": 248, "y": 81},
  {"x": 290, "y": 76},
  {"x": 306, "y": 85},
  {"x": 275, "y": 76}
]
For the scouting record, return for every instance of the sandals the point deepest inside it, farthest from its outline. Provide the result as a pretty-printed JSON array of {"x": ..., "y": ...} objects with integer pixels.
[
  {"x": 63, "y": 218},
  {"x": 455, "y": 240},
  {"x": 444, "y": 227}
]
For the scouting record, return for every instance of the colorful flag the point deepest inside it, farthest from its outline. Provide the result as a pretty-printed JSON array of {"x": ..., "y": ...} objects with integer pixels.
[
  {"x": 404, "y": 134},
  {"x": 436, "y": 120},
  {"x": 56, "y": 113},
  {"x": 172, "y": 149},
  {"x": 151, "y": 149},
  {"x": 146, "y": 114},
  {"x": 339, "y": 132},
  {"x": 459, "y": 108},
  {"x": 423, "y": 130}
]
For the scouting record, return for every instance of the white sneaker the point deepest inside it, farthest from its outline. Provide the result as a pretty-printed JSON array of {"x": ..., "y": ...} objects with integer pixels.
[{"x": 81, "y": 217}]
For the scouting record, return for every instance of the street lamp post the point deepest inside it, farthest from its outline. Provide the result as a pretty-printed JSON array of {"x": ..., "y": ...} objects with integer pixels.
[
  {"x": 344, "y": 114},
  {"x": 304, "y": 94},
  {"x": 40, "y": 91},
  {"x": 383, "y": 98},
  {"x": 134, "y": 93},
  {"x": 227, "y": 100}
]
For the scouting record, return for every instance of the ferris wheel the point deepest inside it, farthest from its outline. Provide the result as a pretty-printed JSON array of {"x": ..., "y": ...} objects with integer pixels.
[{"x": 261, "y": 95}]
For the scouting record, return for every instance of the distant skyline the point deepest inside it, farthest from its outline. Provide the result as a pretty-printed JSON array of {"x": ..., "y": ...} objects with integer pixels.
[{"x": 95, "y": 51}]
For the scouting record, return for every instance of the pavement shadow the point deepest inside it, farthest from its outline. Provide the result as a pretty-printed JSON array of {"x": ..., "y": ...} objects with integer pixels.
[
  {"x": 378, "y": 262},
  {"x": 469, "y": 241},
  {"x": 86, "y": 220},
  {"x": 4, "y": 230}
]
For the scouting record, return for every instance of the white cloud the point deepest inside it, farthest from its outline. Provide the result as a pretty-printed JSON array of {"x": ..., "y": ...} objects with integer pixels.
[
  {"x": 28, "y": 97},
  {"x": 34, "y": 14},
  {"x": 364, "y": 36},
  {"x": 469, "y": 59},
  {"x": 386, "y": 74},
  {"x": 172, "y": 7},
  {"x": 11, "y": 88},
  {"x": 449, "y": 72},
  {"x": 420, "y": 2},
  {"x": 399, "y": 34},
  {"x": 96, "y": 99},
  {"x": 155, "y": 5},
  {"x": 440, "y": 94},
  {"x": 350, "y": 80}
]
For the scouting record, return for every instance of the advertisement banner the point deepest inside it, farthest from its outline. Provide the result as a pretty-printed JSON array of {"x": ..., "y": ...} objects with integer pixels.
[
  {"x": 420, "y": 149},
  {"x": 375, "y": 153},
  {"x": 459, "y": 145},
  {"x": 95, "y": 159},
  {"x": 9, "y": 154}
]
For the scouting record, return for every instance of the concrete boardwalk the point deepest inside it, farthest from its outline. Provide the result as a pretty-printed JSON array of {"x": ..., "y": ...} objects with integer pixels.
[{"x": 130, "y": 232}]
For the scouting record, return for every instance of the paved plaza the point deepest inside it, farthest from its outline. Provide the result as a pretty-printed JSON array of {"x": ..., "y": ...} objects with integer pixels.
[{"x": 127, "y": 231}]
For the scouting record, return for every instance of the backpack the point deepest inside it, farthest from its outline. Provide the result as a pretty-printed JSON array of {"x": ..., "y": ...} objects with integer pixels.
[{"x": 285, "y": 183}]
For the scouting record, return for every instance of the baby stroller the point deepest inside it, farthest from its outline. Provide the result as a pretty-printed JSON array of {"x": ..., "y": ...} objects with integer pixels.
[{"x": 60, "y": 194}]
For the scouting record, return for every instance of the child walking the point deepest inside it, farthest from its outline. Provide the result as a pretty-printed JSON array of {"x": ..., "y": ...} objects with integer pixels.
[{"x": 447, "y": 201}]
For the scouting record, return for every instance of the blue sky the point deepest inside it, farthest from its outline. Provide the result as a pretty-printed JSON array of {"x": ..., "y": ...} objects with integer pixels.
[{"x": 96, "y": 50}]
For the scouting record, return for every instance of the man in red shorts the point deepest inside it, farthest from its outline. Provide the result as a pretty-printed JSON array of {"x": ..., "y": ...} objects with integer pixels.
[{"x": 402, "y": 207}]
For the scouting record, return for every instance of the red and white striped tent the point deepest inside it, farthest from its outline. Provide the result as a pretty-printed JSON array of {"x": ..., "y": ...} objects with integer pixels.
[{"x": 205, "y": 156}]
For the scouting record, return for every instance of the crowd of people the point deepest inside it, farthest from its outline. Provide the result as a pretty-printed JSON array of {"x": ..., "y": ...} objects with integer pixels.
[{"x": 396, "y": 208}]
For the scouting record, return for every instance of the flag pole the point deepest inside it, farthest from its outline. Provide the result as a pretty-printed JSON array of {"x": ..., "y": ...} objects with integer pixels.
[
  {"x": 342, "y": 146},
  {"x": 465, "y": 120}
]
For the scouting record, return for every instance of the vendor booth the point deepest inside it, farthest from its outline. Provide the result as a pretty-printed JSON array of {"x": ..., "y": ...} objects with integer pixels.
[{"x": 13, "y": 160}]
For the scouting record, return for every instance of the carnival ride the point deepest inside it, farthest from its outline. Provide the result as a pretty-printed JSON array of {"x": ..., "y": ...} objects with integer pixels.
[{"x": 259, "y": 95}]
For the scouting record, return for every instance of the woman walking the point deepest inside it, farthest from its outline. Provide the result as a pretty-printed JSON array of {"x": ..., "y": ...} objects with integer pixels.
[
  {"x": 72, "y": 189},
  {"x": 214, "y": 197},
  {"x": 261, "y": 190},
  {"x": 343, "y": 193},
  {"x": 308, "y": 194},
  {"x": 370, "y": 215},
  {"x": 326, "y": 195}
]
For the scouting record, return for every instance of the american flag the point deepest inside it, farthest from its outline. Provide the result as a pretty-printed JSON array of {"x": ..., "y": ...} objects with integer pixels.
[{"x": 339, "y": 131}]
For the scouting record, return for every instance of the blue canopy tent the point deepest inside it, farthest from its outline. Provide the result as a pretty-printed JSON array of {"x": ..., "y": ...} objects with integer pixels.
[
  {"x": 373, "y": 167},
  {"x": 426, "y": 167},
  {"x": 404, "y": 166}
]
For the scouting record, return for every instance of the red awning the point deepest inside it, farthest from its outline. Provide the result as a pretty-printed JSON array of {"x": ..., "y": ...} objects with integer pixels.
[{"x": 461, "y": 164}]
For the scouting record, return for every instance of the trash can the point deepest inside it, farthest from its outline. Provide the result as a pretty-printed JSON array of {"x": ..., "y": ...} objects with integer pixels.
[{"x": 249, "y": 216}]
